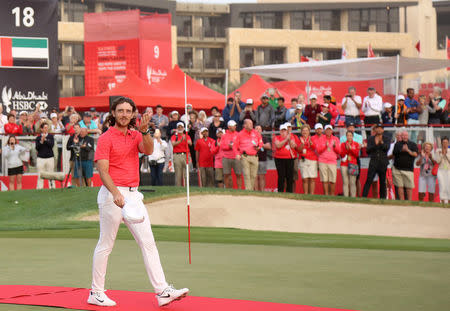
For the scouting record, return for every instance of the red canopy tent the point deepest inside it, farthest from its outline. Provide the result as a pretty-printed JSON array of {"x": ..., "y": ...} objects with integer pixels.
[
  {"x": 254, "y": 88},
  {"x": 169, "y": 93}
]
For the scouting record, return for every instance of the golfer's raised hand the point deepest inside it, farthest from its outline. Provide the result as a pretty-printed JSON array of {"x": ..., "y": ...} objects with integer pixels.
[
  {"x": 146, "y": 117},
  {"x": 119, "y": 200}
]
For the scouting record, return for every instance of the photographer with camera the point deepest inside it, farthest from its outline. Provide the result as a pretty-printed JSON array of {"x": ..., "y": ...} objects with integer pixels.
[
  {"x": 82, "y": 155},
  {"x": 351, "y": 104},
  {"x": 157, "y": 159}
]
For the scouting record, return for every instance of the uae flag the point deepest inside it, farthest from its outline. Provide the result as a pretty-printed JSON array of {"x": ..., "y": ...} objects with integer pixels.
[{"x": 20, "y": 52}]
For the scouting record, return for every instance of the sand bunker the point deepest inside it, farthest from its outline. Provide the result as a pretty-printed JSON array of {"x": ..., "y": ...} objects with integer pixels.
[{"x": 277, "y": 214}]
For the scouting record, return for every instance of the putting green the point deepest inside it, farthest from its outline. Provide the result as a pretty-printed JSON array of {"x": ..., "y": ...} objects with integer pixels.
[{"x": 328, "y": 277}]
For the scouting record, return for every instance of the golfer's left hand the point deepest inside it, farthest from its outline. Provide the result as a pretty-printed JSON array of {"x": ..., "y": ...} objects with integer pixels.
[{"x": 145, "y": 121}]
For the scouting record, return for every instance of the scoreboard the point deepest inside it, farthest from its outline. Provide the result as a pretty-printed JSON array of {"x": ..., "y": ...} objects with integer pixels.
[{"x": 29, "y": 55}]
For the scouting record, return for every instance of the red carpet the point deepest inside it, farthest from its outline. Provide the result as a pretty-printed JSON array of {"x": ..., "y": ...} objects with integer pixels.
[{"x": 75, "y": 298}]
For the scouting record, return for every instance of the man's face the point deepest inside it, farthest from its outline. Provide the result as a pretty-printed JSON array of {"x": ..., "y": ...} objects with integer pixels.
[
  {"x": 23, "y": 117},
  {"x": 87, "y": 120},
  {"x": 205, "y": 134},
  {"x": 123, "y": 114},
  {"x": 180, "y": 129},
  {"x": 248, "y": 124},
  {"x": 258, "y": 128},
  {"x": 319, "y": 131},
  {"x": 45, "y": 129},
  {"x": 410, "y": 93},
  {"x": 405, "y": 136},
  {"x": 371, "y": 93},
  {"x": 379, "y": 130},
  {"x": 352, "y": 92},
  {"x": 77, "y": 129},
  {"x": 237, "y": 95},
  {"x": 294, "y": 103},
  {"x": 159, "y": 111},
  {"x": 281, "y": 103},
  {"x": 313, "y": 101},
  {"x": 328, "y": 132},
  {"x": 351, "y": 128},
  {"x": 219, "y": 134},
  {"x": 12, "y": 119},
  {"x": 265, "y": 101},
  {"x": 232, "y": 128},
  {"x": 389, "y": 110},
  {"x": 214, "y": 111},
  {"x": 83, "y": 132},
  {"x": 175, "y": 116}
]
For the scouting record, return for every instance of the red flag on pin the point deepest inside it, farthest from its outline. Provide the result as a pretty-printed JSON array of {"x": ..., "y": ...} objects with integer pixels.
[
  {"x": 370, "y": 52},
  {"x": 418, "y": 46}
]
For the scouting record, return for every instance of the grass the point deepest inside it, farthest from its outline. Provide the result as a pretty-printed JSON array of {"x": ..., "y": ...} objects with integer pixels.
[{"x": 41, "y": 232}]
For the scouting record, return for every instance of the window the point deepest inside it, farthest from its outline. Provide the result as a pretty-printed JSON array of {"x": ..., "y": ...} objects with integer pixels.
[
  {"x": 301, "y": 20},
  {"x": 214, "y": 82},
  {"x": 321, "y": 54},
  {"x": 273, "y": 56},
  {"x": 384, "y": 20},
  {"x": 74, "y": 12},
  {"x": 78, "y": 54},
  {"x": 328, "y": 20},
  {"x": 184, "y": 26},
  {"x": 246, "y": 20},
  {"x": 214, "y": 27},
  {"x": 78, "y": 85},
  {"x": 213, "y": 58},
  {"x": 269, "y": 20},
  {"x": 306, "y": 52},
  {"x": 246, "y": 56},
  {"x": 185, "y": 57},
  {"x": 443, "y": 28},
  {"x": 361, "y": 53}
]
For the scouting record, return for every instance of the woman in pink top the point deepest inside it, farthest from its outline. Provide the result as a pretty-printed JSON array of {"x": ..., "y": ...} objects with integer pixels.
[
  {"x": 308, "y": 160},
  {"x": 349, "y": 154},
  {"x": 328, "y": 149},
  {"x": 218, "y": 155},
  {"x": 284, "y": 159}
]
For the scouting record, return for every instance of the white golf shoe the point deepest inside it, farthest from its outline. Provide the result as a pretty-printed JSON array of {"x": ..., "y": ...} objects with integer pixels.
[
  {"x": 100, "y": 299},
  {"x": 171, "y": 294}
]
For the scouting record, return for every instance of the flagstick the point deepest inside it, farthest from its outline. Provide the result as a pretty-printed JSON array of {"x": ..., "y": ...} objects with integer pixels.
[
  {"x": 446, "y": 70},
  {"x": 187, "y": 170},
  {"x": 396, "y": 84},
  {"x": 307, "y": 92},
  {"x": 226, "y": 86}
]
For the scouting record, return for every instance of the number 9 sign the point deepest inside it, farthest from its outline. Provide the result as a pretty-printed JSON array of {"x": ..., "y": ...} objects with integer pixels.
[{"x": 156, "y": 51}]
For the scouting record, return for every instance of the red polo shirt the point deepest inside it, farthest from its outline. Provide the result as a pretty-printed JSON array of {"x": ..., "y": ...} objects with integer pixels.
[
  {"x": 248, "y": 141},
  {"x": 285, "y": 152},
  {"x": 13, "y": 128},
  {"x": 182, "y": 147},
  {"x": 205, "y": 150},
  {"x": 122, "y": 151}
]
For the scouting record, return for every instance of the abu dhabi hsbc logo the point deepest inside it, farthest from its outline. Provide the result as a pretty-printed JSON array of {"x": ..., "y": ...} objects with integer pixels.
[{"x": 23, "y": 100}]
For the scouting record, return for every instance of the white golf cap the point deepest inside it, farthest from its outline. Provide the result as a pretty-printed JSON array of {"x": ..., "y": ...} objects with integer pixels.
[
  {"x": 249, "y": 101},
  {"x": 318, "y": 126},
  {"x": 231, "y": 123},
  {"x": 180, "y": 124},
  {"x": 283, "y": 127},
  {"x": 313, "y": 96},
  {"x": 387, "y": 105},
  {"x": 189, "y": 105},
  {"x": 401, "y": 97},
  {"x": 219, "y": 130},
  {"x": 203, "y": 129},
  {"x": 328, "y": 126},
  {"x": 23, "y": 112},
  {"x": 173, "y": 112},
  {"x": 288, "y": 124},
  {"x": 299, "y": 106},
  {"x": 325, "y": 105},
  {"x": 53, "y": 115}
]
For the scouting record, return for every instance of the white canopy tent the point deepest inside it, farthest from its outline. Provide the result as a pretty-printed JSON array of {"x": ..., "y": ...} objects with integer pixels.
[{"x": 356, "y": 69}]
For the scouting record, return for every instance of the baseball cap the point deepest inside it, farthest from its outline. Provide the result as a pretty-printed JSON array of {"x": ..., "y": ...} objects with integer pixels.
[
  {"x": 283, "y": 127},
  {"x": 23, "y": 112},
  {"x": 180, "y": 124},
  {"x": 231, "y": 123},
  {"x": 401, "y": 97},
  {"x": 87, "y": 114},
  {"x": 189, "y": 105},
  {"x": 53, "y": 115},
  {"x": 325, "y": 105},
  {"x": 203, "y": 129},
  {"x": 92, "y": 109},
  {"x": 249, "y": 101},
  {"x": 288, "y": 124},
  {"x": 313, "y": 96},
  {"x": 351, "y": 124},
  {"x": 173, "y": 112},
  {"x": 328, "y": 126},
  {"x": 299, "y": 106},
  {"x": 318, "y": 126},
  {"x": 220, "y": 130},
  {"x": 378, "y": 125},
  {"x": 387, "y": 105},
  {"x": 264, "y": 96}
]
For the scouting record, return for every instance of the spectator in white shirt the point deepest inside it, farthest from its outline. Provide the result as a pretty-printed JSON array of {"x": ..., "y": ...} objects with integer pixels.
[
  {"x": 372, "y": 107},
  {"x": 12, "y": 152},
  {"x": 157, "y": 159},
  {"x": 351, "y": 104},
  {"x": 3, "y": 119}
]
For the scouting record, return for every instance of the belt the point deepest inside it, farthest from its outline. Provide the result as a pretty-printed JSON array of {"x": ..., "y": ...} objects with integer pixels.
[
  {"x": 349, "y": 115},
  {"x": 130, "y": 189},
  {"x": 180, "y": 152},
  {"x": 249, "y": 155}
]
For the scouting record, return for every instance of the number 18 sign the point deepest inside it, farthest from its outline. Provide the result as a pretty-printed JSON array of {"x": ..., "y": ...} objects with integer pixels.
[{"x": 28, "y": 54}]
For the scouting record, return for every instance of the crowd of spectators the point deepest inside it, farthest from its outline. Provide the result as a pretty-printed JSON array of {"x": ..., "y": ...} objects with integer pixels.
[{"x": 232, "y": 141}]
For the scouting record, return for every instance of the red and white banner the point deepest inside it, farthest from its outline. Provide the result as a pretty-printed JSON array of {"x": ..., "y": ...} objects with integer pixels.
[{"x": 123, "y": 41}]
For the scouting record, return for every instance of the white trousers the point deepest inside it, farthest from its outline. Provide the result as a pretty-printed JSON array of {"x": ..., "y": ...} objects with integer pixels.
[
  {"x": 45, "y": 165},
  {"x": 110, "y": 218}
]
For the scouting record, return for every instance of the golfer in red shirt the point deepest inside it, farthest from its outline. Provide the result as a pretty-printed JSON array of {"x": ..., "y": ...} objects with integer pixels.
[
  {"x": 205, "y": 147},
  {"x": 117, "y": 158}
]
